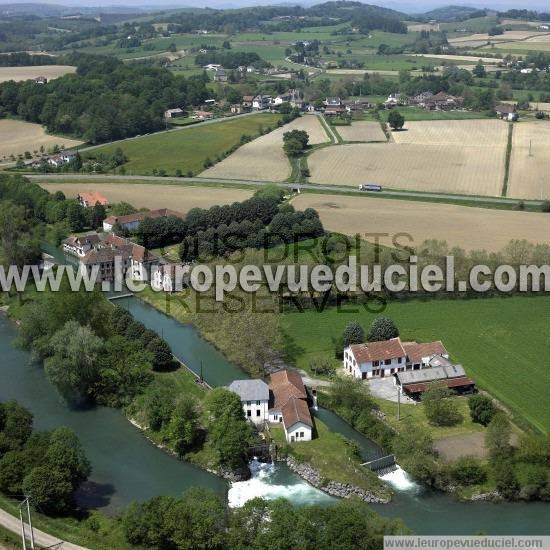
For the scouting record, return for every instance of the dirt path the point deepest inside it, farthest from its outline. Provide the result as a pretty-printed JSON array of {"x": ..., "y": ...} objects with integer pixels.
[{"x": 456, "y": 446}]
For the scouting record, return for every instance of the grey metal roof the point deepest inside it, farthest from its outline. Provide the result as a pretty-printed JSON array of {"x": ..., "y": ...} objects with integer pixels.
[
  {"x": 250, "y": 390},
  {"x": 430, "y": 375}
]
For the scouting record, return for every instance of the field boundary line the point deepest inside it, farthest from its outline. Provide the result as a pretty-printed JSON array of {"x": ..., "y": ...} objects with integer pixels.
[
  {"x": 329, "y": 131},
  {"x": 508, "y": 160}
]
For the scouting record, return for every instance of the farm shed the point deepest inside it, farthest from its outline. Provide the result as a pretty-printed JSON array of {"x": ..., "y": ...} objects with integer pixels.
[{"x": 415, "y": 383}]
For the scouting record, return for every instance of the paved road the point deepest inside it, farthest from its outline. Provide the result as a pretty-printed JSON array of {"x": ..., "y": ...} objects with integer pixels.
[
  {"x": 77, "y": 178},
  {"x": 41, "y": 539}
]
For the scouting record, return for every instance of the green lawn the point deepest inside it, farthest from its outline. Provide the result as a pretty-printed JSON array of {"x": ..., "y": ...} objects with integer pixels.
[
  {"x": 186, "y": 149},
  {"x": 502, "y": 342},
  {"x": 329, "y": 454},
  {"x": 415, "y": 413}
]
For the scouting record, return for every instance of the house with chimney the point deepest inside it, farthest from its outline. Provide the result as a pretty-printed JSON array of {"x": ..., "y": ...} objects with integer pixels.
[
  {"x": 385, "y": 358},
  {"x": 283, "y": 401}
]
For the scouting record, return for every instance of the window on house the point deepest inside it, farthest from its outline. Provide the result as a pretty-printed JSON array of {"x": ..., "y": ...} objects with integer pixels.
[
  {"x": 301, "y": 434},
  {"x": 248, "y": 412},
  {"x": 258, "y": 412},
  {"x": 387, "y": 362},
  {"x": 258, "y": 403},
  {"x": 399, "y": 359},
  {"x": 248, "y": 403}
]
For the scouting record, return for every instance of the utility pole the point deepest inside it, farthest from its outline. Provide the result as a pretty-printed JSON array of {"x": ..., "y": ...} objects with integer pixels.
[
  {"x": 530, "y": 148},
  {"x": 27, "y": 504},
  {"x": 22, "y": 529},
  {"x": 202, "y": 379},
  {"x": 398, "y": 403}
]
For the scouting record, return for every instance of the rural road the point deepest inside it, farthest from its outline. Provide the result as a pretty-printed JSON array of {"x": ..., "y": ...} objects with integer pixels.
[
  {"x": 11, "y": 523},
  {"x": 387, "y": 193}
]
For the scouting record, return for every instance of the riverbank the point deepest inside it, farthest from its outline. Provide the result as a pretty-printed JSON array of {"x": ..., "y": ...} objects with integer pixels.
[{"x": 331, "y": 463}]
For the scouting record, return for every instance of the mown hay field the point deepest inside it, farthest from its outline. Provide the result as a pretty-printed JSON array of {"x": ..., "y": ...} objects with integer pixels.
[
  {"x": 177, "y": 197},
  {"x": 361, "y": 130},
  {"x": 264, "y": 159},
  {"x": 28, "y": 73},
  {"x": 187, "y": 148},
  {"x": 530, "y": 162},
  {"x": 467, "y": 227},
  {"x": 17, "y": 136},
  {"x": 460, "y": 156}
]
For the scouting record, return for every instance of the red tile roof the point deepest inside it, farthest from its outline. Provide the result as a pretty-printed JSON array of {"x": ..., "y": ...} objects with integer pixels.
[
  {"x": 140, "y": 216},
  {"x": 378, "y": 351},
  {"x": 296, "y": 410},
  {"x": 91, "y": 198},
  {"x": 290, "y": 397},
  {"x": 416, "y": 351}
]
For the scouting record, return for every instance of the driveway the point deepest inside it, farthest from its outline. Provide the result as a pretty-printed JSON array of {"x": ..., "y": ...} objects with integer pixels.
[{"x": 384, "y": 388}]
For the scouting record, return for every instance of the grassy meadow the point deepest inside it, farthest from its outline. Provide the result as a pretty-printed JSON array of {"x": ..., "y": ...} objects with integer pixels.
[
  {"x": 502, "y": 342},
  {"x": 185, "y": 149}
]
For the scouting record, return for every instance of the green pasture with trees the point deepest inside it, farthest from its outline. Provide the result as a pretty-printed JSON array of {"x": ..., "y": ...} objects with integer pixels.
[
  {"x": 481, "y": 334},
  {"x": 187, "y": 151}
]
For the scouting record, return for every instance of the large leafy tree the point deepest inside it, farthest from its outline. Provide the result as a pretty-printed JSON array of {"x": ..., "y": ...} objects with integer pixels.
[
  {"x": 73, "y": 365},
  {"x": 396, "y": 120},
  {"x": 382, "y": 328}
]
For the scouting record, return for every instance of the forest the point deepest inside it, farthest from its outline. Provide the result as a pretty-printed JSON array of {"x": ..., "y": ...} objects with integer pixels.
[{"x": 105, "y": 100}]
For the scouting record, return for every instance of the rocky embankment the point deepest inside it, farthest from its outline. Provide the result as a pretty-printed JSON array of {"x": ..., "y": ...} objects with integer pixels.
[{"x": 333, "y": 488}]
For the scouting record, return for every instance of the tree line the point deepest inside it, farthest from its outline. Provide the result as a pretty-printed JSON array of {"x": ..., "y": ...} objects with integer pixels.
[
  {"x": 199, "y": 519},
  {"x": 230, "y": 59},
  {"x": 48, "y": 467},
  {"x": 105, "y": 100}
]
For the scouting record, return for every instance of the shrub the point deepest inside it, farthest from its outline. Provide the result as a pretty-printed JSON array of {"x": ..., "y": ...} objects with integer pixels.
[
  {"x": 439, "y": 408},
  {"x": 468, "y": 471},
  {"x": 482, "y": 409}
]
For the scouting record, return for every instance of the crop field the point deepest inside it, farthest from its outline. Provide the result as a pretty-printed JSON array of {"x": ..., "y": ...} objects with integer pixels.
[
  {"x": 141, "y": 195},
  {"x": 524, "y": 46},
  {"x": 264, "y": 159},
  {"x": 27, "y": 73},
  {"x": 461, "y": 133},
  {"x": 500, "y": 342},
  {"x": 530, "y": 163},
  {"x": 444, "y": 156},
  {"x": 362, "y": 130},
  {"x": 185, "y": 149},
  {"x": 505, "y": 37},
  {"x": 463, "y": 226},
  {"x": 17, "y": 136},
  {"x": 458, "y": 58}
]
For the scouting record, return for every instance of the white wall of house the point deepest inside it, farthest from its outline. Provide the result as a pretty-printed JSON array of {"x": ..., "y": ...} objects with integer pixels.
[
  {"x": 372, "y": 369},
  {"x": 107, "y": 226},
  {"x": 298, "y": 432},
  {"x": 256, "y": 411},
  {"x": 275, "y": 416}
]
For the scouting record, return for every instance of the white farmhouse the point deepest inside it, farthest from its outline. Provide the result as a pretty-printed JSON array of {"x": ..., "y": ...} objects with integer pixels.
[
  {"x": 254, "y": 395},
  {"x": 380, "y": 359}
]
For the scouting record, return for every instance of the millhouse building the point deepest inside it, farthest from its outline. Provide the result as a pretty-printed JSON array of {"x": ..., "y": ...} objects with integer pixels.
[
  {"x": 254, "y": 396},
  {"x": 283, "y": 401},
  {"x": 380, "y": 359}
]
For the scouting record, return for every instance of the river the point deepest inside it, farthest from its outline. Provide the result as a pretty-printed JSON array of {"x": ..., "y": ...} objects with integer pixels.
[{"x": 127, "y": 467}]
